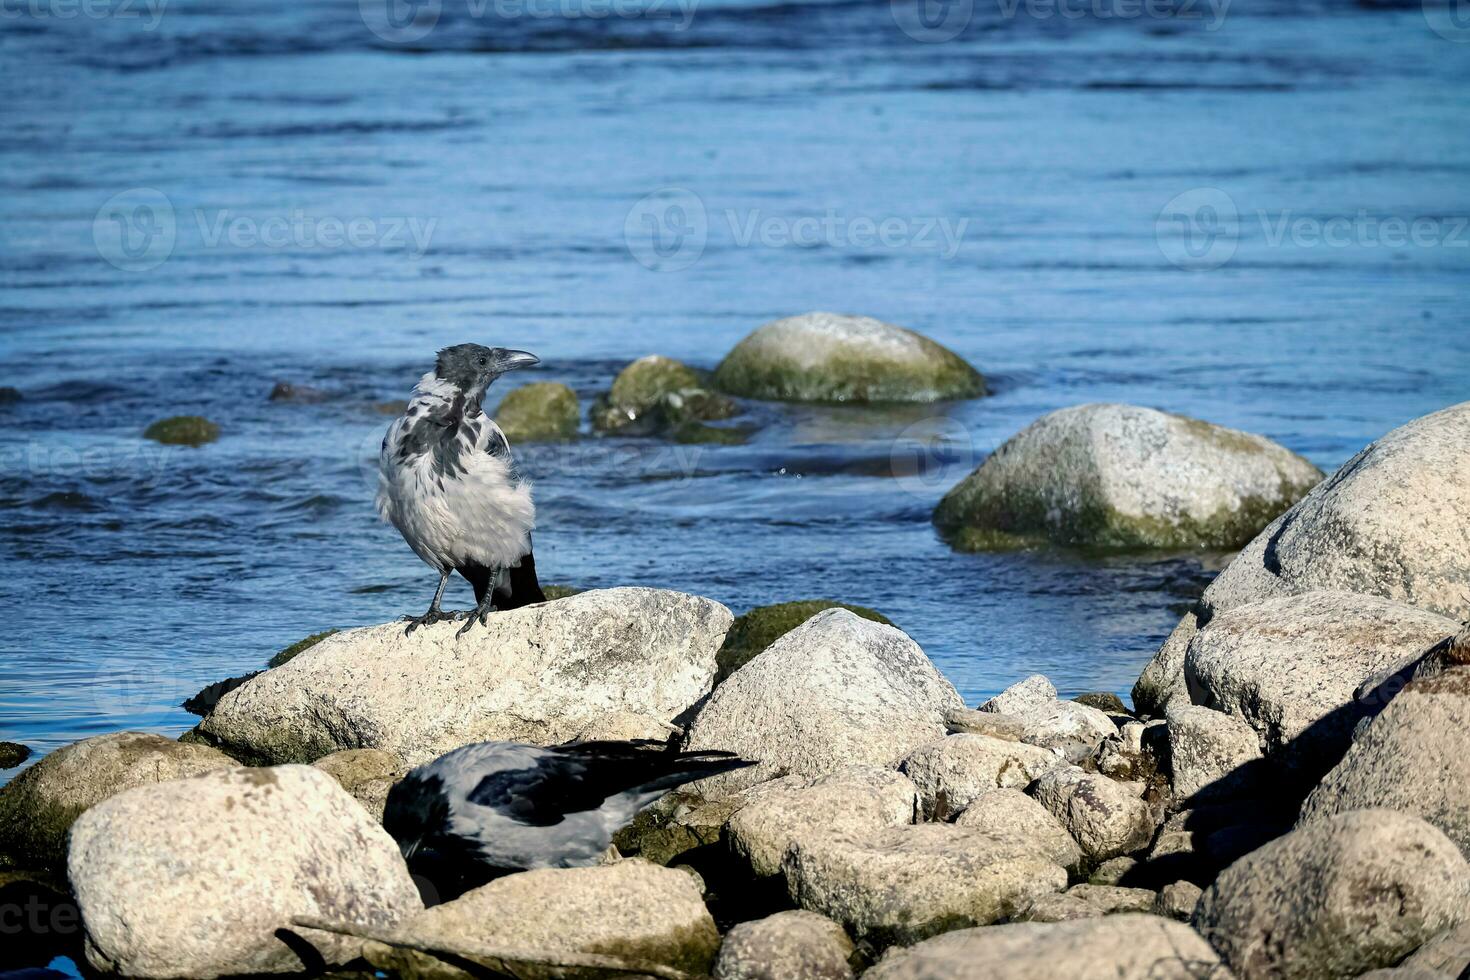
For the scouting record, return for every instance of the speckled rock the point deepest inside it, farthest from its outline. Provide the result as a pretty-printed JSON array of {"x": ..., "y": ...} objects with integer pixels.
[
  {"x": 953, "y": 771},
  {"x": 1289, "y": 667},
  {"x": 1121, "y": 476},
  {"x": 1414, "y": 757},
  {"x": 1177, "y": 900},
  {"x": 611, "y": 663},
  {"x": 192, "y": 877},
  {"x": 902, "y": 884},
  {"x": 1030, "y": 692},
  {"x": 969, "y": 721},
  {"x": 13, "y": 754},
  {"x": 756, "y": 630},
  {"x": 1118, "y": 947},
  {"x": 367, "y": 774},
  {"x": 1104, "y": 817},
  {"x": 836, "y": 691},
  {"x": 182, "y": 430},
  {"x": 38, "y": 807},
  {"x": 1087, "y": 901},
  {"x": 1393, "y": 522},
  {"x": 629, "y": 909},
  {"x": 833, "y": 357},
  {"x": 1061, "y": 724},
  {"x": 850, "y": 800},
  {"x": 542, "y": 411},
  {"x": 1210, "y": 751},
  {"x": 1013, "y": 813},
  {"x": 797, "y": 945},
  {"x": 1336, "y": 898},
  {"x": 1446, "y": 955}
]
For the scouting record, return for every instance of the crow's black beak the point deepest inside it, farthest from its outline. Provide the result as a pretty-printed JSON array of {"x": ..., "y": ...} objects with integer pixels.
[{"x": 511, "y": 360}]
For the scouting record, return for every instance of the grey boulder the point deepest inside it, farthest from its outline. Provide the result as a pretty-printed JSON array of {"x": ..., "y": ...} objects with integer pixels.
[
  {"x": 953, "y": 771},
  {"x": 1088, "y": 901},
  {"x": 1013, "y": 813},
  {"x": 1104, "y": 817},
  {"x": 796, "y": 945},
  {"x": 1027, "y": 693},
  {"x": 1209, "y": 751},
  {"x": 612, "y": 663}
]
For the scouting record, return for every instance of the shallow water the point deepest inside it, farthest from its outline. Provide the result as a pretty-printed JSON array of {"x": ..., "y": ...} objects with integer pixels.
[{"x": 522, "y": 149}]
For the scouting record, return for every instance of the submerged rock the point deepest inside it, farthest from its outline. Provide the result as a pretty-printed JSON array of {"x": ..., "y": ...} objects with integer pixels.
[
  {"x": 1393, "y": 522},
  {"x": 195, "y": 877},
  {"x": 13, "y": 754},
  {"x": 628, "y": 909},
  {"x": 1336, "y": 898},
  {"x": 182, "y": 430},
  {"x": 659, "y": 396},
  {"x": 1119, "y": 947},
  {"x": 1122, "y": 477},
  {"x": 614, "y": 663},
  {"x": 832, "y": 357},
  {"x": 285, "y": 391},
  {"x": 753, "y": 632},
  {"x": 38, "y": 807},
  {"x": 835, "y": 691},
  {"x": 953, "y": 771},
  {"x": 795, "y": 945},
  {"x": 543, "y": 411}
]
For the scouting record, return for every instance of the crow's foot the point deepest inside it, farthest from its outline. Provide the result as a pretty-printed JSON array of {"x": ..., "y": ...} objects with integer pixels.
[
  {"x": 428, "y": 619},
  {"x": 480, "y": 614}
]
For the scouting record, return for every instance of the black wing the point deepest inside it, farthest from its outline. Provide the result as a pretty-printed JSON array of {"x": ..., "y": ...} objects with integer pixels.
[{"x": 581, "y": 776}]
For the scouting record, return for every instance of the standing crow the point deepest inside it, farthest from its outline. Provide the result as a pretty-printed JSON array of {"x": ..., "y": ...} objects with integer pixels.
[
  {"x": 447, "y": 482},
  {"x": 494, "y": 807}
]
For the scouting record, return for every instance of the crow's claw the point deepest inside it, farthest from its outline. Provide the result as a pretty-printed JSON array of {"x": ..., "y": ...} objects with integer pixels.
[
  {"x": 427, "y": 619},
  {"x": 480, "y": 615}
]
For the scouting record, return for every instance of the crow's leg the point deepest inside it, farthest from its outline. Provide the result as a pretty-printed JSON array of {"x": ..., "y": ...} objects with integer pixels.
[
  {"x": 483, "y": 609},
  {"x": 434, "y": 615}
]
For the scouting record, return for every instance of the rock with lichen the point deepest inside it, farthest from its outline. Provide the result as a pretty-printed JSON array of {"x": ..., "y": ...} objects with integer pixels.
[
  {"x": 659, "y": 396},
  {"x": 183, "y": 430},
  {"x": 543, "y": 411}
]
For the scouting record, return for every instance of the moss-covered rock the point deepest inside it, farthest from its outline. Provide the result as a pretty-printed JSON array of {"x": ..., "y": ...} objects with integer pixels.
[
  {"x": 752, "y": 633},
  {"x": 659, "y": 396},
  {"x": 554, "y": 591},
  {"x": 13, "y": 754},
  {"x": 832, "y": 357},
  {"x": 1105, "y": 701},
  {"x": 182, "y": 430},
  {"x": 1117, "y": 477},
  {"x": 543, "y": 411},
  {"x": 299, "y": 646}
]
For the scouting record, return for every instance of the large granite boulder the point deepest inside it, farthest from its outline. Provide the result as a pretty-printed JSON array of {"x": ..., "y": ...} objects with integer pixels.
[
  {"x": 833, "y": 357},
  {"x": 38, "y": 807},
  {"x": 1393, "y": 522},
  {"x": 1336, "y": 897},
  {"x": 1012, "y": 812},
  {"x": 1119, "y": 947},
  {"x": 610, "y": 663},
  {"x": 835, "y": 691},
  {"x": 1121, "y": 476},
  {"x": 193, "y": 877},
  {"x": 1210, "y": 752}
]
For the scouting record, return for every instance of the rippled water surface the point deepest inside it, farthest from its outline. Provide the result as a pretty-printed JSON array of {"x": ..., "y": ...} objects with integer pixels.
[{"x": 519, "y": 148}]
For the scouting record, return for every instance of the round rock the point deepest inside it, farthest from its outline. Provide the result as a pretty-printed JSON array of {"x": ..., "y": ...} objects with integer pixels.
[
  {"x": 543, "y": 411},
  {"x": 796, "y": 945}
]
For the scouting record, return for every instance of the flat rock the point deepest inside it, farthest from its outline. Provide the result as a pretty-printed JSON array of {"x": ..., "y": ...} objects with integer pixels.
[
  {"x": 629, "y": 909},
  {"x": 797, "y": 945},
  {"x": 193, "y": 877},
  {"x": 1121, "y": 477},
  {"x": 834, "y": 357},
  {"x": 1104, "y": 817},
  {"x": 1030, "y": 692},
  {"x": 38, "y": 807},
  {"x": 367, "y": 774},
  {"x": 1118, "y": 947},
  {"x": 1336, "y": 898},
  {"x": 1289, "y": 667},
  {"x": 953, "y": 771},
  {"x": 1012, "y": 813},
  {"x": 836, "y": 691},
  {"x": 902, "y": 884},
  {"x": 1209, "y": 751},
  {"x": 969, "y": 721},
  {"x": 1088, "y": 901},
  {"x": 1393, "y": 522},
  {"x": 1414, "y": 758},
  {"x": 611, "y": 663}
]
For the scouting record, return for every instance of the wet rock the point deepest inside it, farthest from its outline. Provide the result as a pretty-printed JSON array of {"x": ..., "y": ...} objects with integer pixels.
[
  {"x": 902, "y": 884},
  {"x": 608, "y": 663},
  {"x": 1032, "y": 692},
  {"x": 543, "y": 411},
  {"x": 629, "y": 909},
  {"x": 1135, "y": 753},
  {"x": 850, "y": 800},
  {"x": 1177, "y": 900},
  {"x": 836, "y": 691},
  {"x": 1393, "y": 522},
  {"x": 1087, "y": 902},
  {"x": 672, "y": 827},
  {"x": 1446, "y": 955},
  {"x": 951, "y": 772},
  {"x": 9, "y": 395},
  {"x": 193, "y": 877},
  {"x": 1120, "y": 477},
  {"x": 658, "y": 395},
  {"x": 1289, "y": 667},
  {"x": 182, "y": 430},
  {"x": 285, "y": 391},
  {"x": 969, "y": 721},
  {"x": 1118, "y": 947},
  {"x": 1414, "y": 757},
  {"x": 1336, "y": 898},
  {"x": 833, "y": 357},
  {"x": 1104, "y": 817},
  {"x": 1210, "y": 752},
  {"x": 366, "y": 774},
  {"x": 1012, "y": 813},
  {"x": 300, "y": 646},
  {"x": 38, "y": 807},
  {"x": 13, "y": 754},
  {"x": 796, "y": 945},
  {"x": 753, "y": 632}
]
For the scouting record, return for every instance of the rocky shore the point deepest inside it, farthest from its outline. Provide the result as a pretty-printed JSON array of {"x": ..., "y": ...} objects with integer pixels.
[{"x": 1289, "y": 797}]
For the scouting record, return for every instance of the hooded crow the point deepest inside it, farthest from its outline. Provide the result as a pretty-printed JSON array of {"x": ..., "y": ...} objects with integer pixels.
[
  {"x": 495, "y": 807},
  {"x": 446, "y": 480}
]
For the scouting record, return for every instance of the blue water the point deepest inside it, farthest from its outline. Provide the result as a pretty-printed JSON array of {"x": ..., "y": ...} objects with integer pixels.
[{"x": 1131, "y": 204}]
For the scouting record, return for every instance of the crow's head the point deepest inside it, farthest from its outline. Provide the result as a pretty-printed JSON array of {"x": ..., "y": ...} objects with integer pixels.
[{"x": 471, "y": 368}]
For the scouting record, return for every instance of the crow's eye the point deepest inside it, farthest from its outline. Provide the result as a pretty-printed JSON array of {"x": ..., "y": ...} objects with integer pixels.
[{"x": 483, "y": 362}]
